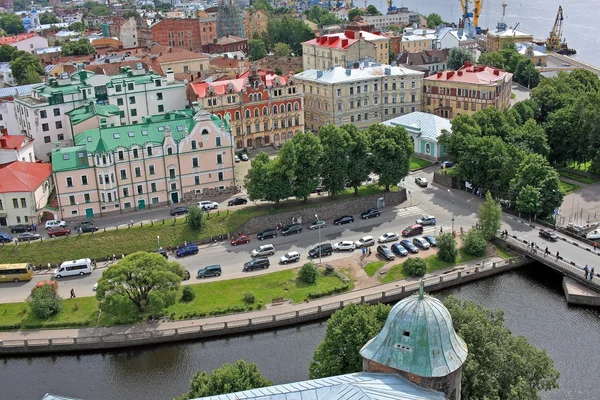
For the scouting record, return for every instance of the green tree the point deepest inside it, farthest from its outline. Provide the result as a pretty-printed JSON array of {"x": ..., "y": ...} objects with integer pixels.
[
  {"x": 308, "y": 273},
  {"x": 490, "y": 217},
  {"x": 194, "y": 217},
  {"x": 457, "y": 57},
  {"x": 100, "y": 10},
  {"x": 414, "y": 267},
  {"x": 335, "y": 159},
  {"x": 372, "y": 10},
  {"x": 162, "y": 6},
  {"x": 256, "y": 49},
  {"x": 257, "y": 178},
  {"x": 287, "y": 30},
  {"x": 6, "y": 52},
  {"x": 139, "y": 283},
  {"x": 446, "y": 248},
  {"x": 31, "y": 76},
  {"x": 48, "y": 18},
  {"x": 188, "y": 294},
  {"x": 493, "y": 59},
  {"x": 282, "y": 50},
  {"x": 391, "y": 150},
  {"x": 307, "y": 155},
  {"x": 347, "y": 332},
  {"x": 526, "y": 73},
  {"x": 358, "y": 151},
  {"x": 130, "y": 14},
  {"x": 263, "y": 5},
  {"x": 11, "y": 24},
  {"x": 531, "y": 137},
  {"x": 77, "y": 27},
  {"x": 474, "y": 242},
  {"x": 45, "y": 302},
  {"x": 226, "y": 379},
  {"x": 270, "y": 180},
  {"x": 24, "y": 69},
  {"x": 354, "y": 13},
  {"x": 322, "y": 16},
  {"x": 80, "y": 47},
  {"x": 392, "y": 56},
  {"x": 528, "y": 200},
  {"x": 434, "y": 20}
]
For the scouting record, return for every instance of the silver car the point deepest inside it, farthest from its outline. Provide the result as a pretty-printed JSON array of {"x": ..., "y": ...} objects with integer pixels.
[{"x": 317, "y": 225}]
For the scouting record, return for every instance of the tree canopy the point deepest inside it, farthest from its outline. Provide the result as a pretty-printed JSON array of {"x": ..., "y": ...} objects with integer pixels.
[
  {"x": 11, "y": 24},
  {"x": 25, "y": 68},
  {"x": 457, "y": 57},
  {"x": 321, "y": 16},
  {"x": 391, "y": 150},
  {"x": 80, "y": 47},
  {"x": 509, "y": 59},
  {"x": 287, "y": 30},
  {"x": 490, "y": 217},
  {"x": 6, "y": 52},
  {"x": 372, "y": 10},
  {"x": 48, "y": 18},
  {"x": 256, "y": 49},
  {"x": 282, "y": 50},
  {"x": 434, "y": 20},
  {"x": 354, "y": 13}
]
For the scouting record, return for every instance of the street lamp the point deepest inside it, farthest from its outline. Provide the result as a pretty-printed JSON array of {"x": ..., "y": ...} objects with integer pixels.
[
  {"x": 158, "y": 240},
  {"x": 320, "y": 259},
  {"x": 453, "y": 209}
]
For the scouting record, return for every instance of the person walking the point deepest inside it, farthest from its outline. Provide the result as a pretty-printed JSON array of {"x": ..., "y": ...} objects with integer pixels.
[
  {"x": 592, "y": 274},
  {"x": 586, "y": 270},
  {"x": 132, "y": 223},
  {"x": 557, "y": 255},
  {"x": 72, "y": 293},
  {"x": 34, "y": 227},
  {"x": 546, "y": 252},
  {"x": 595, "y": 246},
  {"x": 369, "y": 251}
]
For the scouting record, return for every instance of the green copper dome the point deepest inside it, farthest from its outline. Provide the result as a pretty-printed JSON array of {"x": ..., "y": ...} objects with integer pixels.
[{"x": 418, "y": 338}]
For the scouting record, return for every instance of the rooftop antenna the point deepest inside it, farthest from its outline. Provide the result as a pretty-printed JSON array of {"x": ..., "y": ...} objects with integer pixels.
[{"x": 504, "y": 9}]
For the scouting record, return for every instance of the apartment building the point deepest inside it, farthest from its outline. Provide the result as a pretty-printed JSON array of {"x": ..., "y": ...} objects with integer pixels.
[
  {"x": 343, "y": 48},
  {"x": 362, "y": 96},
  {"x": 176, "y": 157},
  {"x": 416, "y": 40},
  {"x": 402, "y": 17},
  {"x": 136, "y": 92},
  {"x": 255, "y": 22},
  {"x": 25, "y": 41},
  {"x": 187, "y": 33},
  {"x": 263, "y": 108},
  {"x": 432, "y": 60},
  {"x": 470, "y": 89},
  {"x": 126, "y": 30}
]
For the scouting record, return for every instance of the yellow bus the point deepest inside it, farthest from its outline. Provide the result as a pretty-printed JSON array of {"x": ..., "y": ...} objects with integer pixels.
[{"x": 15, "y": 272}]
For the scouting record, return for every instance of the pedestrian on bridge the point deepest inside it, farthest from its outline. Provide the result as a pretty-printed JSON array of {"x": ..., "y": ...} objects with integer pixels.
[
  {"x": 592, "y": 274},
  {"x": 586, "y": 270},
  {"x": 546, "y": 252},
  {"x": 557, "y": 255},
  {"x": 595, "y": 246}
]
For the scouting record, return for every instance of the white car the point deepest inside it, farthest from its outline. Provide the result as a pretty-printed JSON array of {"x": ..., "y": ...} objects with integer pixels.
[
  {"x": 426, "y": 220},
  {"x": 365, "y": 241},
  {"x": 345, "y": 245},
  {"x": 292, "y": 256},
  {"x": 236, "y": 158},
  {"x": 388, "y": 237},
  {"x": 421, "y": 243},
  {"x": 244, "y": 157},
  {"x": 208, "y": 205},
  {"x": 53, "y": 223},
  {"x": 593, "y": 235},
  {"x": 263, "y": 251}
]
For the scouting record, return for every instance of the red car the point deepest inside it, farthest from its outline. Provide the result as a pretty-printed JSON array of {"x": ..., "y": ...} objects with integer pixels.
[
  {"x": 240, "y": 240},
  {"x": 413, "y": 230},
  {"x": 58, "y": 231}
]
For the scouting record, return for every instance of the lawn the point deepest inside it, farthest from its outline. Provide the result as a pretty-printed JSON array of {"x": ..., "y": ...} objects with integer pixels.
[
  {"x": 372, "y": 267},
  {"x": 417, "y": 163},
  {"x": 567, "y": 188},
  {"x": 82, "y": 311},
  {"x": 503, "y": 253},
  {"x": 577, "y": 177}
]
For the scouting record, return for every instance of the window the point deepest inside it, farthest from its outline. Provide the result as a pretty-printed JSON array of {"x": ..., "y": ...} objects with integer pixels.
[
  {"x": 133, "y": 112},
  {"x": 131, "y": 99},
  {"x": 69, "y": 182},
  {"x": 140, "y": 189},
  {"x": 138, "y": 172},
  {"x": 18, "y": 220},
  {"x": 123, "y": 174},
  {"x": 86, "y": 197},
  {"x": 109, "y": 196},
  {"x": 169, "y": 151},
  {"x": 196, "y": 180},
  {"x": 84, "y": 180},
  {"x": 172, "y": 173},
  {"x": 125, "y": 192},
  {"x": 155, "y": 200},
  {"x": 45, "y": 127},
  {"x": 15, "y": 203},
  {"x": 56, "y": 112},
  {"x": 23, "y": 202},
  {"x": 220, "y": 176},
  {"x": 161, "y": 108},
  {"x": 1, "y": 206},
  {"x": 119, "y": 101},
  {"x": 100, "y": 179},
  {"x": 159, "y": 96},
  {"x": 149, "y": 150},
  {"x": 127, "y": 205},
  {"x": 151, "y": 169},
  {"x": 153, "y": 187},
  {"x": 72, "y": 200},
  {"x": 130, "y": 86},
  {"x": 121, "y": 157},
  {"x": 219, "y": 159},
  {"x": 43, "y": 114},
  {"x": 195, "y": 162},
  {"x": 60, "y": 136},
  {"x": 118, "y": 88},
  {"x": 135, "y": 153},
  {"x": 47, "y": 139},
  {"x": 193, "y": 145}
]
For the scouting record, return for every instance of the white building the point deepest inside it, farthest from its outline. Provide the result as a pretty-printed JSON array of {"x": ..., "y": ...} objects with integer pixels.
[
  {"x": 403, "y": 17},
  {"x": 25, "y": 41},
  {"x": 449, "y": 38},
  {"x": 137, "y": 93},
  {"x": 8, "y": 118},
  {"x": 15, "y": 148}
]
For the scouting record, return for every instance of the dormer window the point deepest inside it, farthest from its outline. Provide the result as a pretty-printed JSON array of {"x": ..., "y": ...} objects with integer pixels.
[
  {"x": 116, "y": 136},
  {"x": 179, "y": 128},
  {"x": 66, "y": 156},
  {"x": 144, "y": 132},
  {"x": 131, "y": 134}
]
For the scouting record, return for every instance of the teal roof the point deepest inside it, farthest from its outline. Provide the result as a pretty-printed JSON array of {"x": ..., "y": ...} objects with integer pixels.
[
  {"x": 69, "y": 158},
  {"x": 90, "y": 110},
  {"x": 418, "y": 337}
]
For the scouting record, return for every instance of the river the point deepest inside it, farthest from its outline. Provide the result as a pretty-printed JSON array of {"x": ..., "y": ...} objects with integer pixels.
[{"x": 531, "y": 298}]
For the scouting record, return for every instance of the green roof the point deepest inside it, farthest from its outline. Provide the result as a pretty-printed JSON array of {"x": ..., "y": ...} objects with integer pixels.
[
  {"x": 90, "y": 110},
  {"x": 69, "y": 158}
]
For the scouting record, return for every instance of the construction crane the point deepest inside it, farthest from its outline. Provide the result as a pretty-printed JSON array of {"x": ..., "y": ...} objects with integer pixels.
[
  {"x": 555, "y": 41},
  {"x": 392, "y": 8},
  {"x": 471, "y": 16}
]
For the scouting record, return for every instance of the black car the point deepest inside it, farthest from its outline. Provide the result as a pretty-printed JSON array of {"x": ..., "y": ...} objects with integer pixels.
[
  {"x": 548, "y": 234},
  {"x": 431, "y": 240},
  {"x": 257, "y": 263},
  {"x": 267, "y": 234},
  {"x": 27, "y": 236},
  {"x": 179, "y": 210},
  {"x": 291, "y": 229},
  {"x": 370, "y": 213},
  {"x": 21, "y": 228},
  {"x": 326, "y": 250},
  {"x": 385, "y": 253},
  {"x": 80, "y": 225},
  {"x": 407, "y": 244},
  {"x": 88, "y": 228},
  {"x": 211, "y": 270},
  {"x": 346, "y": 219},
  {"x": 237, "y": 201}
]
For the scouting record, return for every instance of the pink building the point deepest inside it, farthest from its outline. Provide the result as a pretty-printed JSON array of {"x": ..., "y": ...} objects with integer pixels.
[{"x": 177, "y": 157}]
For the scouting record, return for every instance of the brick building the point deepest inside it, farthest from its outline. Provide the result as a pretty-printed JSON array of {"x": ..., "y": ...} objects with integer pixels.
[
  {"x": 189, "y": 34},
  {"x": 255, "y": 22},
  {"x": 227, "y": 44}
]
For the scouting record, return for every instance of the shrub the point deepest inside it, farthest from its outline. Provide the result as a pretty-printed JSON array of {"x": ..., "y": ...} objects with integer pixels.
[
  {"x": 188, "y": 294},
  {"x": 414, "y": 267},
  {"x": 474, "y": 242},
  {"x": 249, "y": 298},
  {"x": 308, "y": 273},
  {"x": 447, "y": 250},
  {"x": 329, "y": 292},
  {"x": 194, "y": 217},
  {"x": 44, "y": 302}
]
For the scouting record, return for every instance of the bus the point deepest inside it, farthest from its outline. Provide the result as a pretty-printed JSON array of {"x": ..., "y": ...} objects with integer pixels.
[{"x": 15, "y": 272}]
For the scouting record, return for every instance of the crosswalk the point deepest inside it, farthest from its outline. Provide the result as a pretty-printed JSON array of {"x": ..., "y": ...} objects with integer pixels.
[{"x": 417, "y": 212}]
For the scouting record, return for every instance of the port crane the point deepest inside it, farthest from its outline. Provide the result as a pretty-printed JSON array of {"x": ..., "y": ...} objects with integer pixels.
[
  {"x": 471, "y": 16},
  {"x": 391, "y": 7},
  {"x": 555, "y": 41}
]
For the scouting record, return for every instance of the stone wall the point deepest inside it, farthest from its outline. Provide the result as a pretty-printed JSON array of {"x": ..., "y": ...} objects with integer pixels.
[
  {"x": 326, "y": 212},
  {"x": 445, "y": 180}
]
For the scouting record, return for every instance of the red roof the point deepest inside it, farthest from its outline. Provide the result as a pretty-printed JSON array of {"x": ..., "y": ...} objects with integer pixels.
[
  {"x": 474, "y": 74},
  {"x": 220, "y": 87},
  {"x": 342, "y": 40},
  {"x": 16, "y": 38},
  {"x": 22, "y": 176},
  {"x": 14, "y": 141}
]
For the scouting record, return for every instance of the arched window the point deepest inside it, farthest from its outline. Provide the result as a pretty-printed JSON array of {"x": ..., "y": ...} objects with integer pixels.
[
  {"x": 274, "y": 109},
  {"x": 265, "y": 110},
  {"x": 259, "y": 96},
  {"x": 289, "y": 106},
  {"x": 228, "y": 116},
  {"x": 237, "y": 115},
  {"x": 256, "y": 113},
  {"x": 282, "y": 108},
  {"x": 296, "y": 106},
  {"x": 247, "y": 113},
  {"x": 276, "y": 137}
]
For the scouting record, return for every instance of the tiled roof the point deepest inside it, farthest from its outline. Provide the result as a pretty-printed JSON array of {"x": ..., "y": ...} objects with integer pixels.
[
  {"x": 229, "y": 39},
  {"x": 424, "y": 125},
  {"x": 424, "y": 57},
  {"x": 16, "y": 38},
  {"x": 220, "y": 87},
  {"x": 22, "y": 176},
  {"x": 224, "y": 62},
  {"x": 69, "y": 158},
  {"x": 181, "y": 56},
  {"x": 14, "y": 141},
  {"x": 90, "y": 110},
  {"x": 473, "y": 74},
  {"x": 343, "y": 40}
]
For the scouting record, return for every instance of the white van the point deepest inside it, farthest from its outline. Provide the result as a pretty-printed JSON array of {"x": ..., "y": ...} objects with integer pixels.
[{"x": 75, "y": 267}]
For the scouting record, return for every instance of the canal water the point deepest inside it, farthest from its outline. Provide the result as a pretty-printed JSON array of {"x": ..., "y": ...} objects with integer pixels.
[{"x": 531, "y": 298}]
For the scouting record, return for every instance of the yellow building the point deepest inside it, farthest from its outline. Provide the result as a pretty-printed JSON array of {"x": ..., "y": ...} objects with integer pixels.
[
  {"x": 495, "y": 39},
  {"x": 466, "y": 91},
  {"x": 184, "y": 61},
  {"x": 255, "y": 22}
]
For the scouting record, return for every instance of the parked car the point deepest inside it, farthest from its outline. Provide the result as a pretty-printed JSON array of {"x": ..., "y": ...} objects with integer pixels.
[
  {"x": 81, "y": 224},
  {"x": 421, "y": 243},
  {"x": 88, "y": 229},
  {"x": 241, "y": 239},
  {"x": 28, "y": 236},
  {"x": 264, "y": 250},
  {"x": 397, "y": 248},
  {"x": 208, "y": 205},
  {"x": 237, "y": 201},
  {"x": 292, "y": 229},
  {"x": 21, "y": 228},
  {"x": 244, "y": 157},
  {"x": 426, "y": 220},
  {"x": 385, "y": 253},
  {"x": 292, "y": 256},
  {"x": 179, "y": 210},
  {"x": 162, "y": 253},
  {"x": 345, "y": 245},
  {"x": 317, "y": 225},
  {"x": 370, "y": 213},
  {"x": 548, "y": 234},
  {"x": 53, "y": 223},
  {"x": 324, "y": 249},
  {"x": 257, "y": 263},
  {"x": 59, "y": 231},
  {"x": 421, "y": 181},
  {"x": 236, "y": 158},
  {"x": 346, "y": 219},
  {"x": 188, "y": 250},
  {"x": 186, "y": 275},
  {"x": 211, "y": 270},
  {"x": 413, "y": 230},
  {"x": 267, "y": 234},
  {"x": 365, "y": 241},
  {"x": 4, "y": 238},
  {"x": 409, "y": 246},
  {"x": 593, "y": 235},
  {"x": 388, "y": 237},
  {"x": 431, "y": 240},
  {"x": 446, "y": 164}
]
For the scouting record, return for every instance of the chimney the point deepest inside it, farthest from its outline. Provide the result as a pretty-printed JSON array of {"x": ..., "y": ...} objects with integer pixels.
[
  {"x": 3, "y": 143},
  {"x": 497, "y": 72},
  {"x": 170, "y": 76}
]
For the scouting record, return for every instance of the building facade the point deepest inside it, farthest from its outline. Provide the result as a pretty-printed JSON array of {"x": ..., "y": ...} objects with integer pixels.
[
  {"x": 126, "y": 30},
  {"x": 362, "y": 96},
  {"x": 264, "y": 109},
  {"x": 184, "y": 62},
  {"x": 466, "y": 91},
  {"x": 227, "y": 44},
  {"x": 433, "y": 60},
  {"x": 255, "y": 23},
  {"x": 402, "y": 17},
  {"x": 229, "y": 19},
  {"x": 189, "y": 34},
  {"x": 172, "y": 158},
  {"x": 136, "y": 92},
  {"x": 25, "y": 41}
]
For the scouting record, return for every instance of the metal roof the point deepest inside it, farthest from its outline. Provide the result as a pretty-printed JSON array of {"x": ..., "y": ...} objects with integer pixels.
[
  {"x": 359, "y": 386},
  {"x": 90, "y": 110},
  {"x": 69, "y": 159},
  {"x": 339, "y": 74},
  {"x": 418, "y": 338},
  {"x": 23, "y": 90},
  {"x": 420, "y": 124}
]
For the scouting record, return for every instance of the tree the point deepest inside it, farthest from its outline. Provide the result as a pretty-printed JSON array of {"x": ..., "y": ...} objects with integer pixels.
[
  {"x": 263, "y": 5},
  {"x": 130, "y": 14},
  {"x": 226, "y": 379},
  {"x": 256, "y": 180},
  {"x": 11, "y": 24},
  {"x": 490, "y": 217},
  {"x": 358, "y": 151},
  {"x": 48, "y": 18},
  {"x": 347, "y": 332},
  {"x": 322, "y": 16},
  {"x": 446, "y": 248},
  {"x": 391, "y": 150},
  {"x": 528, "y": 200},
  {"x": 100, "y": 10},
  {"x": 526, "y": 74},
  {"x": 392, "y": 56},
  {"x": 372, "y": 10},
  {"x": 474, "y": 242},
  {"x": 308, "y": 273},
  {"x": 335, "y": 159},
  {"x": 532, "y": 138},
  {"x": 355, "y": 12},
  {"x": 139, "y": 283},
  {"x": 306, "y": 165},
  {"x": 414, "y": 267},
  {"x": 282, "y": 50},
  {"x": 194, "y": 217},
  {"x": 80, "y": 47},
  {"x": 457, "y": 57},
  {"x": 77, "y": 27},
  {"x": 45, "y": 302},
  {"x": 256, "y": 49},
  {"x": 31, "y": 76},
  {"x": 434, "y": 20},
  {"x": 287, "y": 30},
  {"x": 25, "y": 68},
  {"x": 6, "y": 52},
  {"x": 162, "y": 6},
  {"x": 270, "y": 180}
]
